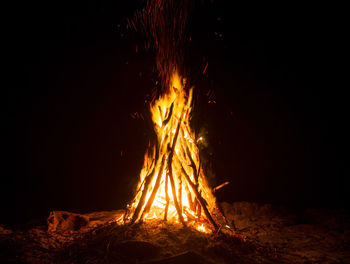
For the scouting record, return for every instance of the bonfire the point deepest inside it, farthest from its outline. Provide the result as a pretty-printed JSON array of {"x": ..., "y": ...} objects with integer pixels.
[
  {"x": 172, "y": 182},
  {"x": 172, "y": 185}
]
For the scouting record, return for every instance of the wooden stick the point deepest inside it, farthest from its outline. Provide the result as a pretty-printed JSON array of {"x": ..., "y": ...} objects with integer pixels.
[
  {"x": 195, "y": 202},
  {"x": 148, "y": 180},
  {"x": 193, "y": 165},
  {"x": 170, "y": 167},
  {"x": 220, "y": 186},
  {"x": 199, "y": 166},
  {"x": 188, "y": 214},
  {"x": 180, "y": 192},
  {"x": 155, "y": 189},
  {"x": 166, "y": 197},
  {"x": 200, "y": 199},
  {"x": 199, "y": 209},
  {"x": 221, "y": 211},
  {"x": 189, "y": 196}
]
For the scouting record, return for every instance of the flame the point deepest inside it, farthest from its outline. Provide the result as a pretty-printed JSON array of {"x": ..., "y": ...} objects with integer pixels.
[
  {"x": 201, "y": 228},
  {"x": 172, "y": 168},
  {"x": 120, "y": 218}
]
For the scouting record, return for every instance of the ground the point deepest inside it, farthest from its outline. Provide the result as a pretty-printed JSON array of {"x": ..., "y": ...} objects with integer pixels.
[{"x": 260, "y": 234}]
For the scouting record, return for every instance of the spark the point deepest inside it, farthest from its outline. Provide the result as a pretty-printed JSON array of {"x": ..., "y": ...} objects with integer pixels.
[{"x": 205, "y": 68}]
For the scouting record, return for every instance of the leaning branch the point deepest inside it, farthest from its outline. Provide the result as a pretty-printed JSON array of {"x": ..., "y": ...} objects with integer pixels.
[{"x": 200, "y": 199}]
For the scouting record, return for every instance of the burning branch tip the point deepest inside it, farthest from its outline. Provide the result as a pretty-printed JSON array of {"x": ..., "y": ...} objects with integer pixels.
[{"x": 220, "y": 186}]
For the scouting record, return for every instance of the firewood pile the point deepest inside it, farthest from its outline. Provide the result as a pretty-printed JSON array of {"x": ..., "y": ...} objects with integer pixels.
[{"x": 172, "y": 182}]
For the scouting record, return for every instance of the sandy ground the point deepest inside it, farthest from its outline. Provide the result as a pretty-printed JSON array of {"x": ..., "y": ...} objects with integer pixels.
[{"x": 259, "y": 234}]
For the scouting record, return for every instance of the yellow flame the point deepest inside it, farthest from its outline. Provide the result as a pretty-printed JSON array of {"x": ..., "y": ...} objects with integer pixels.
[
  {"x": 201, "y": 228},
  {"x": 119, "y": 219}
]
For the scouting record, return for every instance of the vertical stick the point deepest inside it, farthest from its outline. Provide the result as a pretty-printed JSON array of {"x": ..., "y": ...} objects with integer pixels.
[
  {"x": 181, "y": 219},
  {"x": 195, "y": 203},
  {"x": 155, "y": 189},
  {"x": 180, "y": 192},
  {"x": 166, "y": 197},
  {"x": 170, "y": 167},
  {"x": 189, "y": 196},
  {"x": 199, "y": 208}
]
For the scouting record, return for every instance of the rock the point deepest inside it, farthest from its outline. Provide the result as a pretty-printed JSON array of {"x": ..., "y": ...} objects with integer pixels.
[{"x": 66, "y": 221}]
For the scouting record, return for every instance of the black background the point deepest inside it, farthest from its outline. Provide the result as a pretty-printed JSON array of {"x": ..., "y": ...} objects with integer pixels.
[{"x": 275, "y": 132}]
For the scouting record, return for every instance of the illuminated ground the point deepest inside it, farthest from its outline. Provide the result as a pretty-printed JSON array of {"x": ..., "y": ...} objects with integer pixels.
[{"x": 264, "y": 234}]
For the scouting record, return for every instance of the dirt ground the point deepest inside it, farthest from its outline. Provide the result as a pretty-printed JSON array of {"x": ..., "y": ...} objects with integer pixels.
[{"x": 258, "y": 234}]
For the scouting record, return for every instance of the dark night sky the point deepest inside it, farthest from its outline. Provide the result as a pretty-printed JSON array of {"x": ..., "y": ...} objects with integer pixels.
[{"x": 276, "y": 131}]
